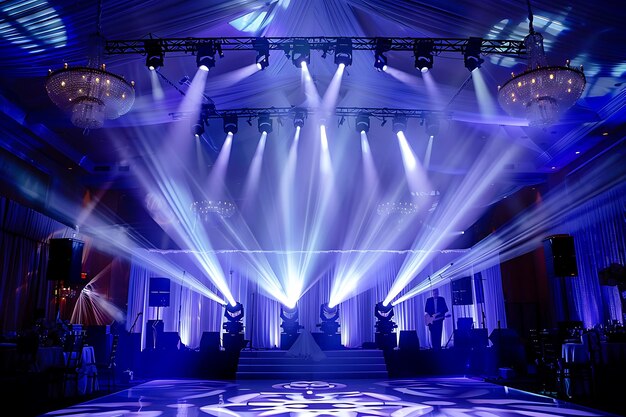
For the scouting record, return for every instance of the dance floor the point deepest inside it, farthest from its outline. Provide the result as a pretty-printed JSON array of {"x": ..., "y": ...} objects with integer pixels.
[{"x": 440, "y": 396}]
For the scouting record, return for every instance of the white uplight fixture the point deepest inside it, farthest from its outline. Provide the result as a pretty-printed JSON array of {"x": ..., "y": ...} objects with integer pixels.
[{"x": 541, "y": 93}]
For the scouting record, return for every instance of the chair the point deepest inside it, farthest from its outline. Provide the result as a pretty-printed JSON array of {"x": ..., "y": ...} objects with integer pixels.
[
  {"x": 26, "y": 367},
  {"x": 65, "y": 378},
  {"x": 578, "y": 379},
  {"x": 26, "y": 346},
  {"x": 545, "y": 355},
  {"x": 106, "y": 370}
]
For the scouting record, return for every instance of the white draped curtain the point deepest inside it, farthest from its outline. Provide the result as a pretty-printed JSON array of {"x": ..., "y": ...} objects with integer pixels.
[{"x": 191, "y": 314}]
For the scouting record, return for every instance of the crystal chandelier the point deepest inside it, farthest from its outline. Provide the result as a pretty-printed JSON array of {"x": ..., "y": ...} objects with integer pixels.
[
  {"x": 542, "y": 93},
  {"x": 90, "y": 94},
  {"x": 397, "y": 207},
  {"x": 222, "y": 208}
]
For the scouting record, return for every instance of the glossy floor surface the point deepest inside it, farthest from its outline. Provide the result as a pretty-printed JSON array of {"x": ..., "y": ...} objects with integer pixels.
[{"x": 440, "y": 396}]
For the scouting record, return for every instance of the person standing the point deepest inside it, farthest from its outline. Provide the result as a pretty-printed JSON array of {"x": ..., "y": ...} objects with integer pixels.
[{"x": 436, "y": 311}]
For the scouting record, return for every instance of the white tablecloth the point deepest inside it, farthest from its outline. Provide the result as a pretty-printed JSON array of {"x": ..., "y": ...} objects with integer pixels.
[
  {"x": 575, "y": 352},
  {"x": 88, "y": 372}
]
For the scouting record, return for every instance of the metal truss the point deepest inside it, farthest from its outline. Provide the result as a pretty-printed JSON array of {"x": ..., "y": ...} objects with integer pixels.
[
  {"x": 208, "y": 111},
  {"x": 319, "y": 43}
]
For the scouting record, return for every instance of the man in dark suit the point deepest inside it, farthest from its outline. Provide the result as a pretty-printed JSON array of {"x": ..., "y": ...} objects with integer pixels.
[{"x": 436, "y": 309}]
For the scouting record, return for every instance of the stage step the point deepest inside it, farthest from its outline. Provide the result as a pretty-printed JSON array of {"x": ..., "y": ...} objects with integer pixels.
[{"x": 344, "y": 363}]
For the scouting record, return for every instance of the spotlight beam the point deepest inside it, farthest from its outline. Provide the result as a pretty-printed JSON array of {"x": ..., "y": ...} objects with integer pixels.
[{"x": 455, "y": 212}]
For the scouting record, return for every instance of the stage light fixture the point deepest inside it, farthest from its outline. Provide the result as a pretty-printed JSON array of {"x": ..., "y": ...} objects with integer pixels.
[
  {"x": 262, "y": 46},
  {"x": 205, "y": 56},
  {"x": 343, "y": 51},
  {"x": 301, "y": 52},
  {"x": 290, "y": 317},
  {"x": 234, "y": 316},
  {"x": 329, "y": 316},
  {"x": 231, "y": 123},
  {"x": 384, "y": 314},
  {"x": 432, "y": 125},
  {"x": 423, "y": 52},
  {"x": 265, "y": 123},
  {"x": 362, "y": 122},
  {"x": 298, "y": 118},
  {"x": 154, "y": 54},
  {"x": 198, "y": 127},
  {"x": 380, "y": 60},
  {"x": 471, "y": 56},
  {"x": 399, "y": 124}
]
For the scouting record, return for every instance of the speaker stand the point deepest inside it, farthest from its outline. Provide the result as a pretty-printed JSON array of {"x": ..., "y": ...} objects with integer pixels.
[
  {"x": 57, "y": 300},
  {"x": 154, "y": 330},
  {"x": 566, "y": 314},
  {"x": 449, "y": 339}
]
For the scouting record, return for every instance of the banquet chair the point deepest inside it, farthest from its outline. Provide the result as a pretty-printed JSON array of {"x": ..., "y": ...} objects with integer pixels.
[
  {"x": 26, "y": 346},
  {"x": 545, "y": 348},
  {"x": 106, "y": 370},
  {"x": 26, "y": 367},
  {"x": 578, "y": 377},
  {"x": 65, "y": 377}
]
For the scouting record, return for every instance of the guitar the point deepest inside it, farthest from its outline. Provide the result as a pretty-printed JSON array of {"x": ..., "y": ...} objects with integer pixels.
[{"x": 435, "y": 317}]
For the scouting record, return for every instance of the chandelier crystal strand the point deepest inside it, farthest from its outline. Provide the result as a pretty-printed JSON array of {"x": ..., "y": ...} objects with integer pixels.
[
  {"x": 542, "y": 93},
  {"x": 222, "y": 208},
  {"x": 398, "y": 207},
  {"x": 90, "y": 94}
]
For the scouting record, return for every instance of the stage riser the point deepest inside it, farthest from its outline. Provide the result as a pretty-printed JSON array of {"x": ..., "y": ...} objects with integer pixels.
[{"x": 347, "y": 363}]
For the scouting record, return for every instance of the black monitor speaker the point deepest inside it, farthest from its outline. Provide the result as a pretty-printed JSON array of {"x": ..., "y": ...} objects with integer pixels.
[
  {"x": 504, "y": 337},
  {"x": 464, "y": 323},
  {"x": 471, "y": 338},
  {"x": 65, "y": 259},
  {"x": 408, "y": 340},
  {"x": 560, "y": 256},
  {"x": 169, "y": 341},
  {"x": 210, "y": 342}
]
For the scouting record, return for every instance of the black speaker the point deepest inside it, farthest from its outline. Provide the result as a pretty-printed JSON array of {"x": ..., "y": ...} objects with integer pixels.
[
  {"x": 234, "y": 341},
  {"x": 65, "y": 259},
  {"x": 159, "y": 295},
  {"x": 462, "y": 291},
  {"x": 386, "y": 341},
  {"x": 480, "y": 338},
  {"x": 462, "y": 339},
  {"x": 287, "y": 339},
  {"x": 210, "y": 342},
  {"x": 464, "y": 323},
  {"x": 560, "y": 256},
  {"x": 504, "y": 337},
  {"x": 408, "y": 340},
  {"x": 327, "y": 341},
  {"x": 471, "y": 338},
  {"x": 169, "y": 341}
]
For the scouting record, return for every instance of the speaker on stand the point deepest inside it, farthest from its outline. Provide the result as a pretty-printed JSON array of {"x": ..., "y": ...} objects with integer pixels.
[
  {"x": 65, "y": 259},
  {"x": 561, "y": 264},
  {"x": 462, "y": 291},
  {"x": 159, "y": 296}
]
